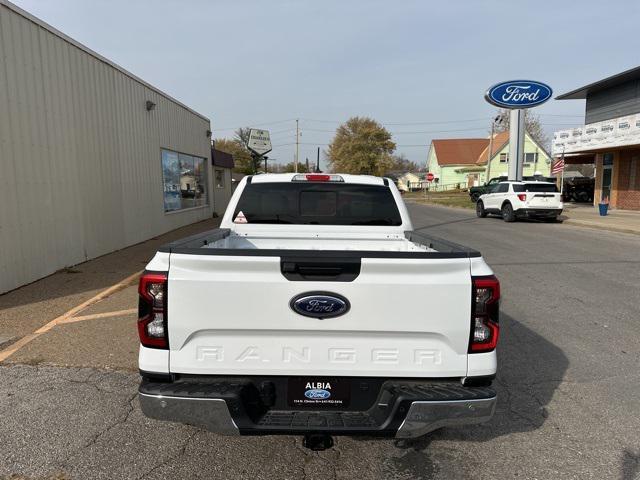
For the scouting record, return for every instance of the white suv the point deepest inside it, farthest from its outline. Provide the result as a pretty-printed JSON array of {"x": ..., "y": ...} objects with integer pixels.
[{"x": 513, "y": 200}]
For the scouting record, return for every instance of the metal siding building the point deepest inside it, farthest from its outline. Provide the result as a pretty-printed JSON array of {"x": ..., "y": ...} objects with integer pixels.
[{"x": 80, "y": 155}]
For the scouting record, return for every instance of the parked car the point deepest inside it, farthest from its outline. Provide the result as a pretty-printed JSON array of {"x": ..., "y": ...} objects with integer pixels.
[
  {"x": 578, "y": 189},
  {"x": 280, "y": 321},
  {"x": 475, "y": 192},
  {"x": 513, "y": 200}
]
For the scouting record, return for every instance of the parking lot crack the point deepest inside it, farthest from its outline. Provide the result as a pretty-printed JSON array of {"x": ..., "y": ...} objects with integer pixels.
[
  {"x": 120, "y": 421},
  {"x": 181, "y": 452}
]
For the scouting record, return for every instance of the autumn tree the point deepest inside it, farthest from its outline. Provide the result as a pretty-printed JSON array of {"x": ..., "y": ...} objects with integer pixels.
[
  {"x": 400, "y": 163},
  {"x": 532, "y": 126},
  {"x": 361, "y": 146},
  {"x": 237, "y": 146},
  {"x": 291, "y": 167}
]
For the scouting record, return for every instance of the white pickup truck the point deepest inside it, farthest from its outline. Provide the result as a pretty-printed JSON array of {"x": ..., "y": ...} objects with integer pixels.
[{"x": 315, "y": 309}]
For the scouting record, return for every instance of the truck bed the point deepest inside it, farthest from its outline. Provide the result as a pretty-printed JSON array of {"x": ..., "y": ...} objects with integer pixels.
[{"x": 413, "y": 244}]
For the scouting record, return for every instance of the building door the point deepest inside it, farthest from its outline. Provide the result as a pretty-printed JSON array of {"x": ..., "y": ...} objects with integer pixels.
[
  {"x": 607, "y": 176},
  {"x": 472, "y": 180}
]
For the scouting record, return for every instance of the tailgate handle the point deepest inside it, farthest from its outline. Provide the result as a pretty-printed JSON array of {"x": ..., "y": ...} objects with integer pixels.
[{"x": 305, "y": 269}]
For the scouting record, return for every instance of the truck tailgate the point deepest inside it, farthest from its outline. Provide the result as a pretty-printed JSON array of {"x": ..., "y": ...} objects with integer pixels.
[{"x": 231, "y": 315}]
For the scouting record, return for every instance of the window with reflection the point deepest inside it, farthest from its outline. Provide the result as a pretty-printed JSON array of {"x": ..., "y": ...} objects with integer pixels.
[{"x": 184, "y": 179}]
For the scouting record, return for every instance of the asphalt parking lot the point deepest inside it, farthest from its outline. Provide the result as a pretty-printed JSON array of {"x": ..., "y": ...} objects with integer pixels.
[{"x": 568, "y": 383}]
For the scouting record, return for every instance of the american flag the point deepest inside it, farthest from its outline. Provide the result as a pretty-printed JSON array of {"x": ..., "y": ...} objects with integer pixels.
[{"x": 558, "y": 167}]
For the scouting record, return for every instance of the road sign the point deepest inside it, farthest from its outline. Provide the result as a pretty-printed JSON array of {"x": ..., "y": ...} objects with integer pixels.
[
  {"x": 430, "y": 177},
  {"x": 518, "y": 94},
  {"x": 259, "y": 141}
]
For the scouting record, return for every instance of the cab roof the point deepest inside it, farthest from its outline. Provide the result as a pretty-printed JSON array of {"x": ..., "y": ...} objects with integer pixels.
[
  {"x": 346, "y": 177},
  {"x": 526, "y": 182}
]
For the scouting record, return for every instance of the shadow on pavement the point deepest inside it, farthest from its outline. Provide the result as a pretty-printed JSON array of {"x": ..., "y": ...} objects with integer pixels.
[
  {"x": 630, "y": 465},
  {"x": 450, "y": 222},
  {"x": 98, "y": 273},
  {"x": 530, "y": 369}
]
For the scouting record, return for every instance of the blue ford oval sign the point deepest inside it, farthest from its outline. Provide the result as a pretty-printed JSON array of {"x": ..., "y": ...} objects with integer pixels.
[
  {"x": 317, "y": 394},
  {"x": 320, "y": 305},
  {"x": 518, "y": 94}
]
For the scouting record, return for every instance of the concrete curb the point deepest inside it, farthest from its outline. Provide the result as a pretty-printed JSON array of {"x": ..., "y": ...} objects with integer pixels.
[
  {"x": 464, "y": 209},
  {"x": 599, "y": 226}
]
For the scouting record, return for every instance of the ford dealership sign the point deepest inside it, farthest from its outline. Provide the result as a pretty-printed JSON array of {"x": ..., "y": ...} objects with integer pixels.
[{"x": 518, "y": 94}]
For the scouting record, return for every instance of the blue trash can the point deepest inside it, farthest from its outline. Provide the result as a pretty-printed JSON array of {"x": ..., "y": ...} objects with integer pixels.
[{"x": 604, "y": 208}]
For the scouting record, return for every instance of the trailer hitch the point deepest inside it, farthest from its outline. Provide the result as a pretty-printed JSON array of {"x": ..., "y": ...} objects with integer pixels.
[{"x": 317, "y": 441}]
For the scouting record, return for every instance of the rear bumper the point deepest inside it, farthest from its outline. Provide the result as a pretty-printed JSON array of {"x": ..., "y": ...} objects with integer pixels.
[
  {"x": 402, "y": 409},
  {"x": 538, "y": 212}
]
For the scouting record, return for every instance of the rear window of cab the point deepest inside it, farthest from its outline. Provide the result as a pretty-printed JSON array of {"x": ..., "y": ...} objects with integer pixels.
[
  {"x": 308, "y": 203},
  {"x": 535, "y": 187}
]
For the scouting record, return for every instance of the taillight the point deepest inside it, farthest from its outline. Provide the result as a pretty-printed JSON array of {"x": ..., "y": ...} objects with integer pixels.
[
  {"x": 317, "y": 177},
  {"x": 485, "y": 313},
  {"x": 152, "y": 310},
  {"x": 522, "y": 197}
]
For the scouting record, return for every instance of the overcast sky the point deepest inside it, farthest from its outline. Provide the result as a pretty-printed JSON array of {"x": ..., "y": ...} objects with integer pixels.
[{"x": 415, "y": 66}]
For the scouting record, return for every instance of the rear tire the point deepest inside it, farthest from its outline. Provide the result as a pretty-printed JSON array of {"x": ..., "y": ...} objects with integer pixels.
[
  {"x": 508, "y": 214},
  {"x": 480, "y": 211}
]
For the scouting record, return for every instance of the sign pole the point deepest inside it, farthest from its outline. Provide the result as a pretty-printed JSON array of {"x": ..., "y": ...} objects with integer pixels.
[{"x": 516, "y": 143}]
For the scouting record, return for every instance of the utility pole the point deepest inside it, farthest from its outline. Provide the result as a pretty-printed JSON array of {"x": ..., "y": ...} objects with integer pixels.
[
  {"x": 297, "y": 144},
  {"x": 490, "y": 154},
  {"x": 318, "y": 161}
]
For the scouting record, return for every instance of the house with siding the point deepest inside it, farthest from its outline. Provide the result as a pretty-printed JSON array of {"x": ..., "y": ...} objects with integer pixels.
[
  {"x": 467, "y": 162},
  {"x": 410, "y": 181},
  {"x": 454, "y": 161}
]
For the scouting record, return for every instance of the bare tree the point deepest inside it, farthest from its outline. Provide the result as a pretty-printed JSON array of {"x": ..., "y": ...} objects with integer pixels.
[{"x": 531, "y": 124}]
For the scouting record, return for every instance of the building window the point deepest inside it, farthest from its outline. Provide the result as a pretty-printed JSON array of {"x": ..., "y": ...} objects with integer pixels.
[
  {"x": 607, "y": 177},
  {"x": 219, "y": 178},
  {"x": 185, "y": 181},
  {"x": 530, "y": 158},
  {"x": 504, "y": 158}
]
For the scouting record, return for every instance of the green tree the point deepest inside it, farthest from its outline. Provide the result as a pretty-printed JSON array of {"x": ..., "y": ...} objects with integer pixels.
[
  {"x": 532, "y": 125},
  {"x": 291, "y": 167},
  {"x": 361, "y": 146}
]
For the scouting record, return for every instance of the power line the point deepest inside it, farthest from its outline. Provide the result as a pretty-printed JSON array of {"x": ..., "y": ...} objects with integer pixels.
[
  {"x": 327, "y": 144},
  {"x": 559, "y": 115},
  {"x": 282, "y": 131},
  {"x": 255, "y": 125},
  {"x": 404, "y": 123},
  {"x": 394, "y": 133},
  {"x": 443, "y": 122}
]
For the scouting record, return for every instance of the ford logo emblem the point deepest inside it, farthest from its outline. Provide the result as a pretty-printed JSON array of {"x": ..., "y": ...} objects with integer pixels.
[
  {"x": 320, "y": 305},
  {"x": 518, "y": 94},
  {"x": 317, "y": 394}
]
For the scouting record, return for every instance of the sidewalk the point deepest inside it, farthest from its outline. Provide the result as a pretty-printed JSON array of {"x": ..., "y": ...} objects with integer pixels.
[
  {"x": 625, "y": 221},
  {"x": 84, "y": 315}
]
